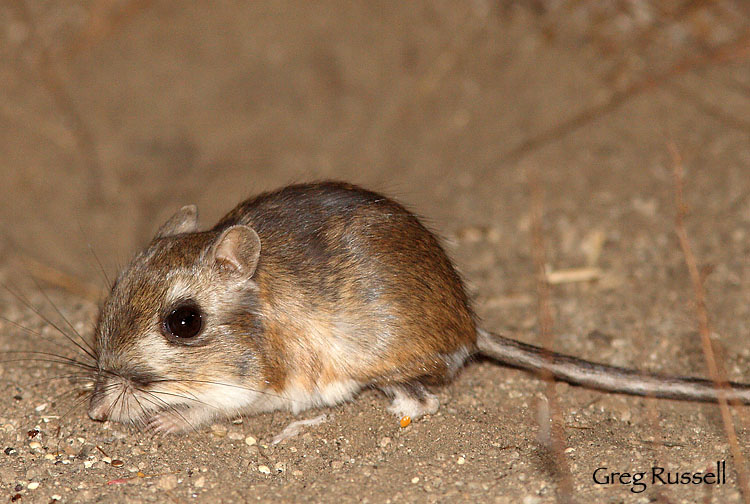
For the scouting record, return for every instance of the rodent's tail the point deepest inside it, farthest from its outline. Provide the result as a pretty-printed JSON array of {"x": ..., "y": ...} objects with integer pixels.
[{"x": 602, "y": 377}]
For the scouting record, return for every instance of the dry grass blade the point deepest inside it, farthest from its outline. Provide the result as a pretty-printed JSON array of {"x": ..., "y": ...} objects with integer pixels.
[
  {"x": 715, "y": 372},
  {"x": 557, "y": 433},
  {"x": 573, "y": 275}
]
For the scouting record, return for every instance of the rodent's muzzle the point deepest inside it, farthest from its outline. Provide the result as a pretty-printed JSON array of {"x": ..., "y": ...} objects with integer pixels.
[
  {"x": 114, "y": 395},
  {"x": 98, "y": 411},
  {"x": 99, "y": 408}
]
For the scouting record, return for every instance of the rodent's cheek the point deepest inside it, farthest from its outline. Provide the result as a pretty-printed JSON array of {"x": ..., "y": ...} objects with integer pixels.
[{"x": 156, "y": 353}]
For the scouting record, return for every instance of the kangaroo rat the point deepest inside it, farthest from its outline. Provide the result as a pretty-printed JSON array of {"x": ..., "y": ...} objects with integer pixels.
[{"x": 298, "y": 298}]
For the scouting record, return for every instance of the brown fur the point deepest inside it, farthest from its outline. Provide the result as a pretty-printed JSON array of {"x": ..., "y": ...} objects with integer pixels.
[{"x": 361, "y": 258}]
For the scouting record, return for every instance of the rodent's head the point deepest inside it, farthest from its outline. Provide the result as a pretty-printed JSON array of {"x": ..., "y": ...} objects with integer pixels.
[{"x": 174, "y": 333}]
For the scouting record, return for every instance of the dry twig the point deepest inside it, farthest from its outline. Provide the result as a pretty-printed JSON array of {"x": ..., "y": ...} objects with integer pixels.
[
  {"x": 557, "y": 433},
  {"x": 54, "y": 85},
  {"x": 715, "y": 372},
  {"x": 736, "y": 49}
]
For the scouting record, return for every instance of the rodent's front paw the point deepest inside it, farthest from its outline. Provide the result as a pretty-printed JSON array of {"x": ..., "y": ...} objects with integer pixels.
[{"x": 169, "y": 422}]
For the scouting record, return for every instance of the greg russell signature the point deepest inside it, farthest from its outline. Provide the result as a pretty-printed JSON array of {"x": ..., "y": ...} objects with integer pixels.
[{"x": 640, "y": 480}]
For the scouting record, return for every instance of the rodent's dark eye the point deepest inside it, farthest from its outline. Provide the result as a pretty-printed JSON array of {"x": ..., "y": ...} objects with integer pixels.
[{"x": 184, "y": 322}]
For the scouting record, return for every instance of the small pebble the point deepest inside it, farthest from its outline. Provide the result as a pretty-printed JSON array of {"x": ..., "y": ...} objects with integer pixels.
[
  {"x": 297, "y": 473},
  {"x": 88, "y": 463},
  {"x": 280, "y": 467},
  {"x": 264, "y": 469},
  {"x": 34, "y": 472},
  {"x": 41, "y": 407},
  {"x": 251, "y": 441},
  {"x": 461, "y": 460},
  {"x": 200, "y": 482},
  {"x": 117, "y": 463},
  {"x": 10, "y": 451},
  {"x": 218, "y": 430},
  {"x": 415, "y": 480},
  {"x": 385, "y": 442},
  {"x": 167, "y": 482},
  {"x": 7, "y": 475},
  {"x": 33, "y": 485},
  {"x": 35, "y": 445},
  {"x": 107, "y": 460},
  {"x": 56, "y": 497},
  {"x": 235, "y": 436},
  {"x": 337, "y": 464}
]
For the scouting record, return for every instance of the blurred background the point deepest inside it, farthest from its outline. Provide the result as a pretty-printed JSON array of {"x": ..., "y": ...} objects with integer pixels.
[{"x": 114, "y": 113}]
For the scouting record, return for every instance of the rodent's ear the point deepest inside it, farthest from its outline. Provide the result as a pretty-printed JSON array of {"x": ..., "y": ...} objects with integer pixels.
[
  {"x": 238, "y": 248},
  {"x": 184, "y": 221}
]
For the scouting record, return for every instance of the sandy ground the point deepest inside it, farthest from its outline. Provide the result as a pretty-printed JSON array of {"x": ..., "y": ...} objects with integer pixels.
[{"x": 113, "y": 114}]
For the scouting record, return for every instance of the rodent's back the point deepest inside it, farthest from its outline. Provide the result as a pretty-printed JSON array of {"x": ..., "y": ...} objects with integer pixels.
[{"x": 360, "y": 280}]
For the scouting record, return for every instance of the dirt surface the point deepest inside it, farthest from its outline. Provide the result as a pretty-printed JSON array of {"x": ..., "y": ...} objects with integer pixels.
[{"x": 113, "y": 114}]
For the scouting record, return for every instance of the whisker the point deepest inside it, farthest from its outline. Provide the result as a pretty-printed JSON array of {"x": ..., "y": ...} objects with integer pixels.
[
  {"x": 108, "y": 283},
  {"x": 184, "y": 390},
  {"x": 29, "y": 330},
  {"x": 28, "y": 305},
  {"x": 62, "y": 396},
  {"x": 111, "y": 407},
  {"x": 166, "y": 407},
  {"x": 209, "y": 382},
  {"x": 60, "y": 313},
  {"x": 62, "y": 358},
  {"x": 77, "y": 404},
  {"x": 157, "y": 393},
  {"x": 76, "y": 378},
  {"x": 39, "y": 359}
]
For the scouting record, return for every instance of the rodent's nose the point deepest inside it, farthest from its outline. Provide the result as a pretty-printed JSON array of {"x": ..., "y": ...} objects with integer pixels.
[
  {"x": 98, "y": 411},
  {"x": 99, "y": 408}
]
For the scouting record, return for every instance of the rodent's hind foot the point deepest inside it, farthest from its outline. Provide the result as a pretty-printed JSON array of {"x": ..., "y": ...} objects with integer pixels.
[{"x": 411, "y": 399}]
